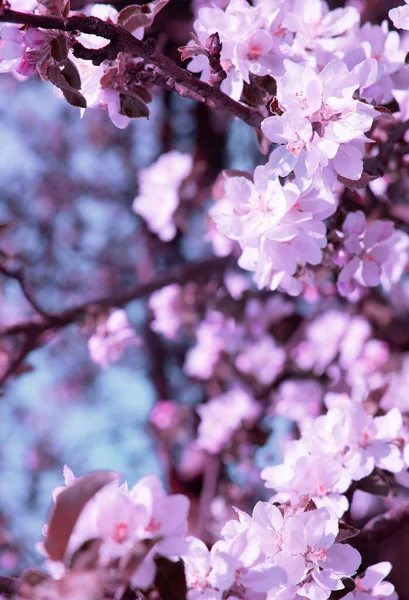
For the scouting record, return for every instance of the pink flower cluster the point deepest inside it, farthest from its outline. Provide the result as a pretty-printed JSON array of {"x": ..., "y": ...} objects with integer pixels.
[
  {"x": 342, "y": 446},
  {"x": 371, "y": 254},
  {"x": 111, "y": 337},
  {"x": 158, "y": 196},
  {"x": 121, "y": 517}
]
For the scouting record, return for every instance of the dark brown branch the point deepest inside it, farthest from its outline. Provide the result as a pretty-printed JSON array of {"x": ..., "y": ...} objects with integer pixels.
[
  {"x": 381, "y": 528},
  {"x": 121, "y": 40},
  {"x": 18, "y": 275},
  {"x": 9, "y": 586},
  {"x": 34, "y": 330}
]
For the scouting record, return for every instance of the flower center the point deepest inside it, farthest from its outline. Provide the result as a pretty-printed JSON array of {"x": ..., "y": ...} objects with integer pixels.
[
  {"x": 254, "y": 51},
  {"x": 296, "y": 147},
  {"x": 153, "y": 525},
  {"x": 120, "y": 532}
]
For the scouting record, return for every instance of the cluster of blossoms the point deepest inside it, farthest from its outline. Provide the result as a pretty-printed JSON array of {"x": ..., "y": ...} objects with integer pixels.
[
  {"x": 371, "y": 254},
  {"x": 162, "y": 181},
  {"x": 286, "y": 552},
  {"x": 254, "y": 351},
  {"x": 342, "y": 446},
  {"x": 122, "y": 517},
  {"x": 112, "y": 335},
  {"x": 331, "y": 74},
  {"x": 222, "y": 416}
]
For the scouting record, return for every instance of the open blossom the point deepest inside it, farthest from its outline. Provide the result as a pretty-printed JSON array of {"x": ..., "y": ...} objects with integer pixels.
[
  {"x": 301, "y": 543},
  {"x": 158, "y": 196},
  {"x": 369, "y": 252},
  {"x": 314, "y": 24},
  {"x": 342, "y": 446},
  {"x": 371, "y": 586},
  {"x": 209, "y": 573},
  {"x": 396, "y": 394},
  {"x": 251, "y": 42},
  {"x": 323, "y": 123},
  {"x": 264, "y": 360},
  {"x": 298, "y": 399},
  {"x": 166, "y": 305},
  {"x": 278, "y": 228},
  {"x": 111, "y": 337},
  {"x": 400, "y": 16},
  {"x": 121, "y": 517},
  {"x": 215, "y": 334},
  {"x": 222, "y": 416}
]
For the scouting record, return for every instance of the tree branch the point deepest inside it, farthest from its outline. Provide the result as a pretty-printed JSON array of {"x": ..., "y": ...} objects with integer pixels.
[
  {"x": 121, "y": 40},
  {"x": 34, "y": 330},
  {"x": 9, "y": 586},
  {"x": 18, "y": 275},
  {"x": 381, "y": 528}
]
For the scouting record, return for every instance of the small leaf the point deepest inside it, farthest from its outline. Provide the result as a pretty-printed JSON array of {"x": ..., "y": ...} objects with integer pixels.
[
  {"x": 131, "y": 17},
  {"x": 34, "y": 577},
  {"x": 71, "y": 74},
  {"x": 68, "y": 507},
  {"x": 75, "y": 98},
  {"x": 170, "y": 579},
  {"x": 187, "y": 52},
  {"x": 376, "y": 484},
  {"x": 72, "y": 95},
  {"x": 309, "y": 505},
  {"x": 142, "y": 93},
  {"x": 66, "y": 8},
  {"x": 134, "y": 16},
  {"x": 87, "y": 555},
  {"x": 345, "y": 532},
  {"x": 135, "y": 557},
  {"x": 132, "y": 107},
  {"x": 59, "y": 48},
  {"x": 275, "y": 107},
  {"x": 358, "y": 184}
]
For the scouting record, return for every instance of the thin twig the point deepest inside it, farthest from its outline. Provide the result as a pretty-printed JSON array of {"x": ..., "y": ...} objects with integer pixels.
[
  {"x": 121, "y": 40},
  {"x": 18, "y": 275},
  {"x": 381, "y": 528},
  {"x": 34, "y": 331}
]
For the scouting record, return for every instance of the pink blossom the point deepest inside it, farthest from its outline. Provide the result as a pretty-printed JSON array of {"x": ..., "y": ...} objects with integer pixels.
[
  {"x": 122, "y": 517},
  {"x": 264, "y": 360},
  {"x": 110, "y": 339},
  {"x": 400, "y": 16},
  {"x": 372, "y": 254},
  {"x": 298, "y": 399},
  {"x": 322, "y": 124},
  {"x": 371, "y": 586},
  {"x": 158, "y": 196},
  {"x": 222, "y": 416},
  {"x": 208, "y": 573},
  {"x": 166, "y": 305}
]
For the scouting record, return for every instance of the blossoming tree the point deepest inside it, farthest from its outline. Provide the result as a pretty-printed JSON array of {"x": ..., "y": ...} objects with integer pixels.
[{"x": 288, "y": 468}]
